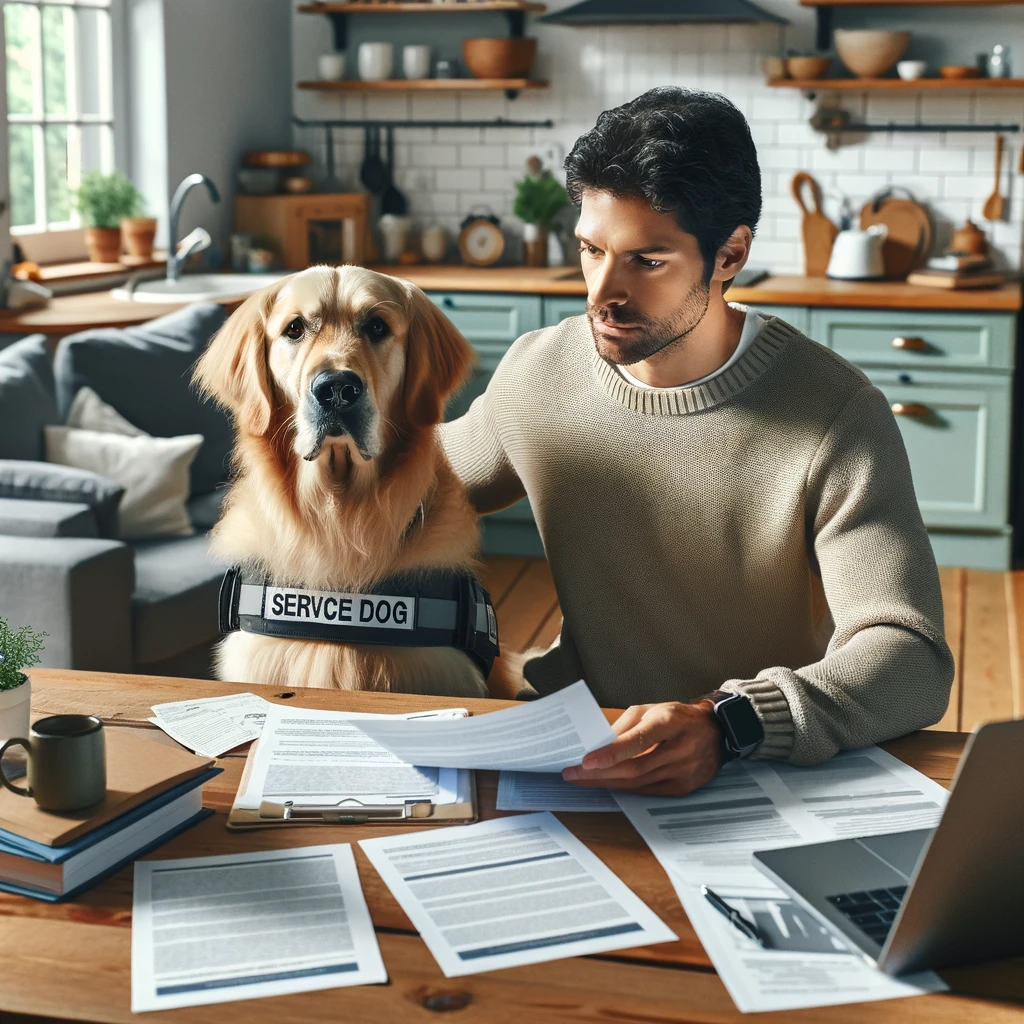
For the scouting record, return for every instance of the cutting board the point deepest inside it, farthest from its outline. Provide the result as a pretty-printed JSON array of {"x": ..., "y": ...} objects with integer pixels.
[
  {"x": 910, "y": 231},
  {"x": 818, "y": 231}
]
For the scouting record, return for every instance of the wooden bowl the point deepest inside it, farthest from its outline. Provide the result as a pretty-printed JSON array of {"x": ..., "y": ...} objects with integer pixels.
[
  {"x": 499, "y": 58},
  {"x": 808, "y": 67},
  {"x": 870, "y": 53},
  {"x": 959, "y": 71},
  {"x": 276, "y": 158}
]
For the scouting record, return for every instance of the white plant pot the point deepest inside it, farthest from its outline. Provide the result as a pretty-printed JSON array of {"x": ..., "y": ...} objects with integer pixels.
[{"x": 15, "y": 711}]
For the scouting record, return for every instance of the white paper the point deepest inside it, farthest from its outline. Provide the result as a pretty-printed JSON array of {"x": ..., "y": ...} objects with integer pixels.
[
  {"x": 509, "y": 892},
  {"x": 213, "y": 725},
  {"x": 323, "y": 757},
  {"x": 543, "y": 735},
  {"x": 548, "y": 791},
  {"x": 709, "y": 836},
  {"x": 242, "y": 926}
]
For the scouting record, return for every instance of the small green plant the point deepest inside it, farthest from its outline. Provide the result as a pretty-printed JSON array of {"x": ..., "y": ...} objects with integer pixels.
[
  {"x": 104, "y": 200},
  {"x": 19, "y": 649},
  {"x": 539, "y": 199}
]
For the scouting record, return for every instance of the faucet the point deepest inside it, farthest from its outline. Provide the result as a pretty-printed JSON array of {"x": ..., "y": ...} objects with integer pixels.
[{"x": 197, "y": 240}]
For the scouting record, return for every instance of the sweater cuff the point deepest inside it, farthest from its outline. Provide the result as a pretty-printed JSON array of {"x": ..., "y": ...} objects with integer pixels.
[{"x": 772, "y": 709}]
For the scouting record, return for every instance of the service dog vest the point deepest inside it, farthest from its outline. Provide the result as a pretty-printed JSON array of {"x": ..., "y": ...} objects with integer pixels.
[{"x": 433, "y": 609}]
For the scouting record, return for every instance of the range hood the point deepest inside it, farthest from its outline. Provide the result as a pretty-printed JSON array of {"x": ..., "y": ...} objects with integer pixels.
[{"x": 663, "y": 12}]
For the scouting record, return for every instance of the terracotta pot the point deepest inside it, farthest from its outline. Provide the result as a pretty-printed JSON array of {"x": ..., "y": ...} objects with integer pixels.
[
  {"x": 103, "y": 244},
  {"x": 137, "y": 233},
  {"x": 499, "y": 58},
  {"x": 535, "y": 246},
  {"x": 15, "y": 707},
  {"x": 870, "y": 53}
]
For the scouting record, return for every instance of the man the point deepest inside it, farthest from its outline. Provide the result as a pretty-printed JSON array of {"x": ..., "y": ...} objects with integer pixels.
[{"x": 726, "y": 506}]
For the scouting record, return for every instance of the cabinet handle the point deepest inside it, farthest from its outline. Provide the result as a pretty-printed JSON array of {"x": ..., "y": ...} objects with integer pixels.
[
  {"x": 910, "y": 409},
  {"x": 910, "y": 344},
  {"x": 449, "y": 303}
]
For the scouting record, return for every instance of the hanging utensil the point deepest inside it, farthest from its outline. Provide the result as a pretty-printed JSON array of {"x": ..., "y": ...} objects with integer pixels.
[
  {"x": 995, "y": 205},
  {"x": 374, "y": 174},
  {"x": 332, "y": 183},
  {"x": 392, "y": 201}
]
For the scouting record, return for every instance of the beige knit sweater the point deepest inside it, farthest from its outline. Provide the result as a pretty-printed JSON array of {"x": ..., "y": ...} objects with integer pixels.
[{"x": 758, "y": 533}]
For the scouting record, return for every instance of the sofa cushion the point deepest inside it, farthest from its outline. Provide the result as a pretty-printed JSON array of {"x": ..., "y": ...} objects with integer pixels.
[
  {"x": 21, "y": 518},
  {"x": 45, "y": 481},
  {"x": 204, "y": 509},
  {"x": 27, "y": 398},
  {"x": 145, "y": 373},
  {"x": 174, "y": 606}
]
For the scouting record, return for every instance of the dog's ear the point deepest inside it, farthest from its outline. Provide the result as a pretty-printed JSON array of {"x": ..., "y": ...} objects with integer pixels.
[
  {"x": 437, "y": 360},
  {"x": 233, "y": 370}
]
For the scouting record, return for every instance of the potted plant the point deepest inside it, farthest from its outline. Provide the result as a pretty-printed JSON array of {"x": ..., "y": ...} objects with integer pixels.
[
  {"x": 104, "y": 200},
  {"x": 19, "y": 649},
  {"x": 540, "y": 197}
]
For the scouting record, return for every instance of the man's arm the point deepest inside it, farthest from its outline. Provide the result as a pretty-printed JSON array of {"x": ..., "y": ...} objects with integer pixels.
[
  {"x": 887, "y": 670},
  {"x": 474, "y": 448}
]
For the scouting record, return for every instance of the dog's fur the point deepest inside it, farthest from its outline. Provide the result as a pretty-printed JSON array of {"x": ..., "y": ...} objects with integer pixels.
[{"x": 332, "y": 506}]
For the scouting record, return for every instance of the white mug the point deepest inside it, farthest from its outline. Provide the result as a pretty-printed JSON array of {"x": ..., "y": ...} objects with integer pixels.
[
  {"x": 394, "y": 232},
  {"x": 434, "y": 243},
  {"x": 376, "y": 61},
  {"x": 416, "y": 61},
  {"x": 331, "y": 66}
]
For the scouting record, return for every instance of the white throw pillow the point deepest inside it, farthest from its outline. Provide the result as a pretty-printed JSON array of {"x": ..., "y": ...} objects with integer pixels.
[
  {"x": 154, "y": 472},
  {"x": 89, "y": 412}
]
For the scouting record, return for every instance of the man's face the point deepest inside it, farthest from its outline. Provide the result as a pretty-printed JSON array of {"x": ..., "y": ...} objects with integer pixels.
[{"x": 645, "y": 277}]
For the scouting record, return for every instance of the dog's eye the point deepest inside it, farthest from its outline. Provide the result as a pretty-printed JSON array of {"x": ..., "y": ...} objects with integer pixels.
[
  {"x": 377, "y": 328},
  {"x": 295, "y": 329}
]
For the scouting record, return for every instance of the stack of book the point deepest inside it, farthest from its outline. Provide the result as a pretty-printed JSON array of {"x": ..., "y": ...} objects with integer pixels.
[
  {"x": 957, "y": 270},
  {"x": 154, "y": 791}
]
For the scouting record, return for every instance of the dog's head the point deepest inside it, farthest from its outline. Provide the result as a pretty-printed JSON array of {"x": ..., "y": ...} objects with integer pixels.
[{"x": 336, "y": 357}]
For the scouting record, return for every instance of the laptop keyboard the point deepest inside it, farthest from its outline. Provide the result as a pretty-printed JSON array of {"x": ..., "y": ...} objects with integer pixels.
[{"x": 872, "y": 911}]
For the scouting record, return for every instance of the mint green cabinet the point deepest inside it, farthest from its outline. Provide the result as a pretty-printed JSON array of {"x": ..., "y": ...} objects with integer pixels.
[{"x": 559, "y": 307}]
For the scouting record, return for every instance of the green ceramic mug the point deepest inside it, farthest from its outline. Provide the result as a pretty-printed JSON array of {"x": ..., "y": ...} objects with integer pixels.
[{"x": 67, "y": 762}]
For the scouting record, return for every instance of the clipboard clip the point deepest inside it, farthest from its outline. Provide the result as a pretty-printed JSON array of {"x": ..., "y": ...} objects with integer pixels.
[{"x": 346, "y": 812}]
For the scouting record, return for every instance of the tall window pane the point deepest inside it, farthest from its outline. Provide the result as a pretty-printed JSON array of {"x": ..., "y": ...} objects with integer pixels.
[
  {"x": 21, "y": 154},
  {"x": 58, "y": 196},
  {"x": 21, "y": 28},
  {"x": 58, "y": 48},
  {"x": 93, "y": 62}
]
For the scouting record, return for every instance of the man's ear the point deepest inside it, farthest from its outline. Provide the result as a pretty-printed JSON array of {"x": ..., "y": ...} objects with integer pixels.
[
  {"x": 233, "y": 370},
  {"x": 732, "y": 256},
  {"x": 437, "y": 360}
]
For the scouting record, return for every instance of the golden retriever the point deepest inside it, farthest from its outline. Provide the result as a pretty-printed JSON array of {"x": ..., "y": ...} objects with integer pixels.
[{"x": 336, "y": 378}]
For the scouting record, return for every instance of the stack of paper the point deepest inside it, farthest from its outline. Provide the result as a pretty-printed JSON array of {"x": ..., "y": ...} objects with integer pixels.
[{"x": 211, "y": 726}]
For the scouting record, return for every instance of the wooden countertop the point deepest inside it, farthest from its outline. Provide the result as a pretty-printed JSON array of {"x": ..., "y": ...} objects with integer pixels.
[
  {"x": 776, "y": 290},
  {"x": 69, "y": 313}
]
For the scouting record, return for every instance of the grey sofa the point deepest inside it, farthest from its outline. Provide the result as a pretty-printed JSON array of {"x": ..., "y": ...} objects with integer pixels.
[{"x": 147, "y": 606}]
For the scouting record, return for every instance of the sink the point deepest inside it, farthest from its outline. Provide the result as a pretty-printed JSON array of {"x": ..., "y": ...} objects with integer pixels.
[{"x": 197, "y": 287}]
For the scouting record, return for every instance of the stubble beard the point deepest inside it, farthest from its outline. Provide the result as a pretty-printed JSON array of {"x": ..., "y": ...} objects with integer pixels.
[{"x": 652, "y": 334}]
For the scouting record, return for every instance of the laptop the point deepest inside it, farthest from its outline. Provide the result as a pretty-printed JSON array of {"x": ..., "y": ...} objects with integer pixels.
[{"x": 932, "y": 897}]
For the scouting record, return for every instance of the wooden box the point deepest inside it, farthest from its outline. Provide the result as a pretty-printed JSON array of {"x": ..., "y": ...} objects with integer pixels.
[{"x": 310, "y": 229}]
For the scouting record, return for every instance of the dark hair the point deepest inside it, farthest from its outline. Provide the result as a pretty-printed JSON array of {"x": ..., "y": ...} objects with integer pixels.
[{"x": 686, "y": 152}]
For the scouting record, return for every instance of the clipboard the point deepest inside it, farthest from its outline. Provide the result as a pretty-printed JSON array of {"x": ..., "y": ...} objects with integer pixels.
[{"x": 351, "y": 811}]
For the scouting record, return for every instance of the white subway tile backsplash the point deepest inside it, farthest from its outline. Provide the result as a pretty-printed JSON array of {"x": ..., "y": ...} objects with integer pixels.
[
  {"x": 482, "y": 155},
  {"x": 470, "y": 179}
]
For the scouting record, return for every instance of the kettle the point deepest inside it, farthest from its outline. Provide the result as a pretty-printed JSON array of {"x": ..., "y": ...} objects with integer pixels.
[{"x": 857, "y": 255}]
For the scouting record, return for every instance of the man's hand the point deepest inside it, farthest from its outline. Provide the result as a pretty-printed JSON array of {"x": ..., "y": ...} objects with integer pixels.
[{"x": 662, "y": 750}]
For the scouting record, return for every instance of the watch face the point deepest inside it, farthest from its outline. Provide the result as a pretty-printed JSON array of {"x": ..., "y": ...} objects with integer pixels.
[{"x": 740, "y": 723}]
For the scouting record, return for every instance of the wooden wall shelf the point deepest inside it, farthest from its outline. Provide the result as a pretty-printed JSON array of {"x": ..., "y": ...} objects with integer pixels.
[
  {"x": 426, "y": 85},
  {"x": 906, "y": 3},
  {"x": 920, "y": 84},
  {"x": 424, "y": 8}
]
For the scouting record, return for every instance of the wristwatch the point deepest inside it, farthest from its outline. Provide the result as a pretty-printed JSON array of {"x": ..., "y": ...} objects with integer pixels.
[{"x": 742, "y": 730}]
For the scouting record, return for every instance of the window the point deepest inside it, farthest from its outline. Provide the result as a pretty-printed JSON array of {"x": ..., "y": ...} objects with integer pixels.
[{"x": 60, "y": 105}]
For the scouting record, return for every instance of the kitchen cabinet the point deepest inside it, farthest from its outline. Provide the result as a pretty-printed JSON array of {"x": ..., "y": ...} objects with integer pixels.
[{"x": 948, "y": 375}]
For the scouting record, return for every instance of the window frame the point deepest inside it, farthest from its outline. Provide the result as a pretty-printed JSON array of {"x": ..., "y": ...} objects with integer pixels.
[{"x": 61, "y": 239}]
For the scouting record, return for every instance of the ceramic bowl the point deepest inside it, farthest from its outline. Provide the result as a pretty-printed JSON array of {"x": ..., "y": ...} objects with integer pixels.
[
  {"x": 870, "y": 53},
  {"x": 959, "y": 71},
  {"x": 774, "y": 67},
  {"x": 808, "y": 67},
  {"x": 911, "y": 70},
  {"x": 298, "y": 185}
]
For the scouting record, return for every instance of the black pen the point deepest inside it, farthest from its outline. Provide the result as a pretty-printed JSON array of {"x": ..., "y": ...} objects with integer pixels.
[{"x": 737, "y": 919}]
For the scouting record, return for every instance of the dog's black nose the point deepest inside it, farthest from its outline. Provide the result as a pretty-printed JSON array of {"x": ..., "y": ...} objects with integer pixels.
[{"x": 334, "y": 391}]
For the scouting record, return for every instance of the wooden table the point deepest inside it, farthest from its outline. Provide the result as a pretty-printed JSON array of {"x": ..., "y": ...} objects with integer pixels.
[{"x": 73, "y": 960}]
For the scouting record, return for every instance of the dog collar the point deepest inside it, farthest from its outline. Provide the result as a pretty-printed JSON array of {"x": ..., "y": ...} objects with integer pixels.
[{"x": 432, "y": 609}]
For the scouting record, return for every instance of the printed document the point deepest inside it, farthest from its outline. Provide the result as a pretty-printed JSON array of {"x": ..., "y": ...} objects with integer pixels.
[
  {"x": 322, "y": 757},
  {"x": 541, "y": 791},
  {"x": 217, "y": 929},
  {"x": 509, "y": 892},
  {"x": 708, "y": 838},
  {"x": 212, "y": 726},
  {"x": 543, "y": 735}
]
